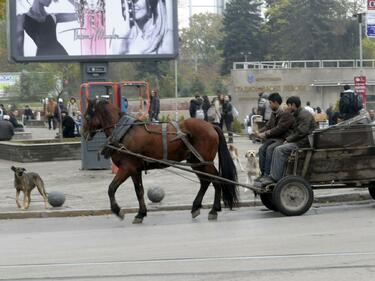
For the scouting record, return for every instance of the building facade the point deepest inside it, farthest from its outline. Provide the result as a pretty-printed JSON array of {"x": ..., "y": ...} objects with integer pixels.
[{"x": 319, "y": 82}]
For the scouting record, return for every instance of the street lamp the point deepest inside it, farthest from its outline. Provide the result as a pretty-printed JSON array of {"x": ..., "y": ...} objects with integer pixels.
[
  {"x": 360, "y": 17},
  {"x": 245, "y": 54}
]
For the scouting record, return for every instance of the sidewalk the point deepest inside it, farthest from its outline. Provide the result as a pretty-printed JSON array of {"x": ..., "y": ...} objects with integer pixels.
[{"x": 86, "y": 191}]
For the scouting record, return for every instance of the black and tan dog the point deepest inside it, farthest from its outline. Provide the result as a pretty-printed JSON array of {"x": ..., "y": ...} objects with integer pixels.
[{"x": 26, "y": 182}]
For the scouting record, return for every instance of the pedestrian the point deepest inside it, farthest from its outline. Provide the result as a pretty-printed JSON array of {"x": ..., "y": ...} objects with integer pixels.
[
  {"x": 330, "y": 113},
  {"x": 195, "y": 105},
  {"x": 2, "y": 111},
  {"x": 205, "y": 106},
  {"x": 154, "y": 107},
  {"x": 309, "y": 108},
  {"x": 6, "y": 128},
  {"x": 221, "y": 97},
  {"x": 227, "y": 117},
  {"x": 17, "y": 126},
  {"x": 28, "y": 113},
  {"x": 371, "y": 114},
  {"x": 320, "y": 117},
  {"x": 58, "y": 109},
  {"x": 124, "y": 104},
  {"x": 72, "y": 107},
  {"x": 68, "y": 124},
  {"x": 50, "y": 110},
  {"x": 350, "y": 103},
  {"x": 214, "y": 112},
  {"x": 264, "y": 108}
]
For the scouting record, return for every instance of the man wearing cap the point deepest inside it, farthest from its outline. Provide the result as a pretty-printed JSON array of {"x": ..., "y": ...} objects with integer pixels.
[{"x": 6, "y": 129}]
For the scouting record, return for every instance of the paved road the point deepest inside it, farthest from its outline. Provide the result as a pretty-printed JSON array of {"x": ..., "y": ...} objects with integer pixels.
[{"x": 328, "y": 243}]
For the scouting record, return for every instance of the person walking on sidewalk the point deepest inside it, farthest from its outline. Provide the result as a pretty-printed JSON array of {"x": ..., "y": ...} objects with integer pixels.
[
  {"x": 154, "y": 107},
  {"x": 50, "y": 111},
  {"x": 304, "y": 124},
  {"x": 228, "y": 117},
  {"x": 274, "y": 133}
]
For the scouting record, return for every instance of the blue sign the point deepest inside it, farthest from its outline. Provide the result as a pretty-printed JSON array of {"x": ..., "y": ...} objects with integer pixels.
[
  {"x": 250, "y": 78},
  {"x": 371, "y": 30}
]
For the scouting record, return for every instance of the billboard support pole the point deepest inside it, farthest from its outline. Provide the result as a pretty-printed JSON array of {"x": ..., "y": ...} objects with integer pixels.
[{"x": 176, "y": 85}]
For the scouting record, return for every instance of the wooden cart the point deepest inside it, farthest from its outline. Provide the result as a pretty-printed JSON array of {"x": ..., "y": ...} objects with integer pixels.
[{"x": 310, "y": 169}]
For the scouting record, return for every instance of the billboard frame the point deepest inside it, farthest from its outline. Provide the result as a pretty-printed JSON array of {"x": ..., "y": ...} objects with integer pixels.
[{"x": 13, "y": 56}]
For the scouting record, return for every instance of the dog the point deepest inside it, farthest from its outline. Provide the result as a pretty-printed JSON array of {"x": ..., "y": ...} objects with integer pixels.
[
  {"x": 252, "y": 166},
  {"x": 26, "y": 182},
  {"x": 235, "y": 155}
]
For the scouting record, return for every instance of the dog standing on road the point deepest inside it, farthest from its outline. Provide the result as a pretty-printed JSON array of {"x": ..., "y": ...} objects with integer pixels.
[
  {"x": 235, "y": 155},
  {"x": 252, "y": 166},
  {"x": 26, "y": 182}
]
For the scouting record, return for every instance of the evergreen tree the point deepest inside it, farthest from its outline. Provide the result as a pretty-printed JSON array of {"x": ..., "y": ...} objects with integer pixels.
[
  {"x": 242, "y": 22},
  {"x": 309, "y": 30}
]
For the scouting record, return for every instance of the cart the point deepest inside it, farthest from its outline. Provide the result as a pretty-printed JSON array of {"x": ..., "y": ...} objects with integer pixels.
[{"x": 324, "y": 166}]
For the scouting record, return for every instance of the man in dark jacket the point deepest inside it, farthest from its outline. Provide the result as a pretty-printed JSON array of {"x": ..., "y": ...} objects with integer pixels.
[
  {"x": 350, "y": 103},
  {"x": 6, "y": 129},
  {"x": 273, "y": 133},
  {"x": 304, "y": 124},
  {"x": 154, "y": 107},
  {"x": 195, "y": 104},
  {"x": 68, "y": 125}
]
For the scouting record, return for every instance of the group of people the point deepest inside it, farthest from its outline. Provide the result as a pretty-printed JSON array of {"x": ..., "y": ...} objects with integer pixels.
[
  {"x": 288, "y": 129},
  {"x": 220, "y": 111},
  {"x": 9, "y": 123},
  {"x": 285, "y": 131},
  {"x": 70, "y": 116}
]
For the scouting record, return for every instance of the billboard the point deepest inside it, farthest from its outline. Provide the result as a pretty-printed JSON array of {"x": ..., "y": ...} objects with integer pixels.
[{"x": 86, "y": 30}]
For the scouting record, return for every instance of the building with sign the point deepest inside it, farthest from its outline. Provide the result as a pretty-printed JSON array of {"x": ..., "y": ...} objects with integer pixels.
[{"x": 319, "y": 82}]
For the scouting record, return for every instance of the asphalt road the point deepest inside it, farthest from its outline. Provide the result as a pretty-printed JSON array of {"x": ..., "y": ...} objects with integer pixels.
[{"x": 328, "y": 243}]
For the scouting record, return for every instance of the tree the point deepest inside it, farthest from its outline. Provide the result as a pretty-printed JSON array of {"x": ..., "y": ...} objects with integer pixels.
[
  {"x": 200, "y": 41},
  {"x": 309, "y": 29},
  {"x": 242, "y": 23}
]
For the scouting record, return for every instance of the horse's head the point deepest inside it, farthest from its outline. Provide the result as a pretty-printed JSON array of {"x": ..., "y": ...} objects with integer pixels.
[{"x": 100, "y": 115}]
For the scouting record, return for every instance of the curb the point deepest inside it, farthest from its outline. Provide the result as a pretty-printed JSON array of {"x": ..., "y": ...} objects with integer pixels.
[{"x": 60, "y": 213}]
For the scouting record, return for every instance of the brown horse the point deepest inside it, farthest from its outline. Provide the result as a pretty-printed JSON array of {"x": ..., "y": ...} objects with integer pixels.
[{"x": 146, "y": 139}]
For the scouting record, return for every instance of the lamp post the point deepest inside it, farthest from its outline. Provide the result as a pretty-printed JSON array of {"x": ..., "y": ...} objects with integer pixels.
[
  {"x": 360, "y": 17},
  {"x": 245, "y": 54}
]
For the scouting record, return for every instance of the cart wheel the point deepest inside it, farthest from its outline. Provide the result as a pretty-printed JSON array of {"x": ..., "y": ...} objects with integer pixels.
[
  {"x": 267, "y": 201},
  {"x": 293, "y": 196},
  {"x": 371, "y": 190}
]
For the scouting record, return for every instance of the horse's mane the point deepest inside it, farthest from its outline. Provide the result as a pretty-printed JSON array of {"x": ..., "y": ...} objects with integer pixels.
[{"x": 101, "y": 109}]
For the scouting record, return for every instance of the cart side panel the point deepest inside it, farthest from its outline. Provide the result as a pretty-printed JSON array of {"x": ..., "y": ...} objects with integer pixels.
[{"x": 339, "y": 165}]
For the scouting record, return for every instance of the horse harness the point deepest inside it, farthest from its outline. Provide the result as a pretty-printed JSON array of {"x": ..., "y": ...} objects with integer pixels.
[{"x": 126, "y": 122}]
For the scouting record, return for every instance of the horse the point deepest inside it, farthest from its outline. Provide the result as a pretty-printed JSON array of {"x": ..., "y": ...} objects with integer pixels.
[{"x": 145, "y": 138}]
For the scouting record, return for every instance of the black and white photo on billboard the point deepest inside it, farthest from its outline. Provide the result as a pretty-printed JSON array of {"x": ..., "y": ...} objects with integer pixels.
[{"x": 59, "y": 28}]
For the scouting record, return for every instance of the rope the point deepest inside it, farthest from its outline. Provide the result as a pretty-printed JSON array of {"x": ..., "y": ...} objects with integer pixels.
[{"x": 177, "y": 166}]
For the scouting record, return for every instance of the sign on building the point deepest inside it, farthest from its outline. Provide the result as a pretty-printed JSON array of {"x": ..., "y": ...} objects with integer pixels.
[
  {"x": 360, "y": 88},
  {"x": 370, "y": 19}
]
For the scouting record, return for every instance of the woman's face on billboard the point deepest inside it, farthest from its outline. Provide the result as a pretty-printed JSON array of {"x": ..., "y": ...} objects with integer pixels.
[{"x": 140, "y": 9}]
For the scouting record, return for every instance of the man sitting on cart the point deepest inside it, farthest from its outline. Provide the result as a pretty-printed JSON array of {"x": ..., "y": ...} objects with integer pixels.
[
  {"x": 273, "y": 133},
  {"x": 304, "y": 124}
]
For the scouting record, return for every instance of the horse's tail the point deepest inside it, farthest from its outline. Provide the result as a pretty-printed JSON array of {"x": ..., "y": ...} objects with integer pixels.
[{"x": 227, "y": 170}]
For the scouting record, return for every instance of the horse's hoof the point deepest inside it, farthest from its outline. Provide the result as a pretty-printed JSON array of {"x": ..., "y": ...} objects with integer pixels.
[
  {"x": 212, "y": 217},
  {"x": 195, "y": 213},
  {"x": 121, "y": 215},
  {"x": 137, "y": 220}
]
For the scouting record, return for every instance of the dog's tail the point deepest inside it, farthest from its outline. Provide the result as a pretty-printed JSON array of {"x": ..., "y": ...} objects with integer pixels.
[{"x": 227, "y": 170}]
